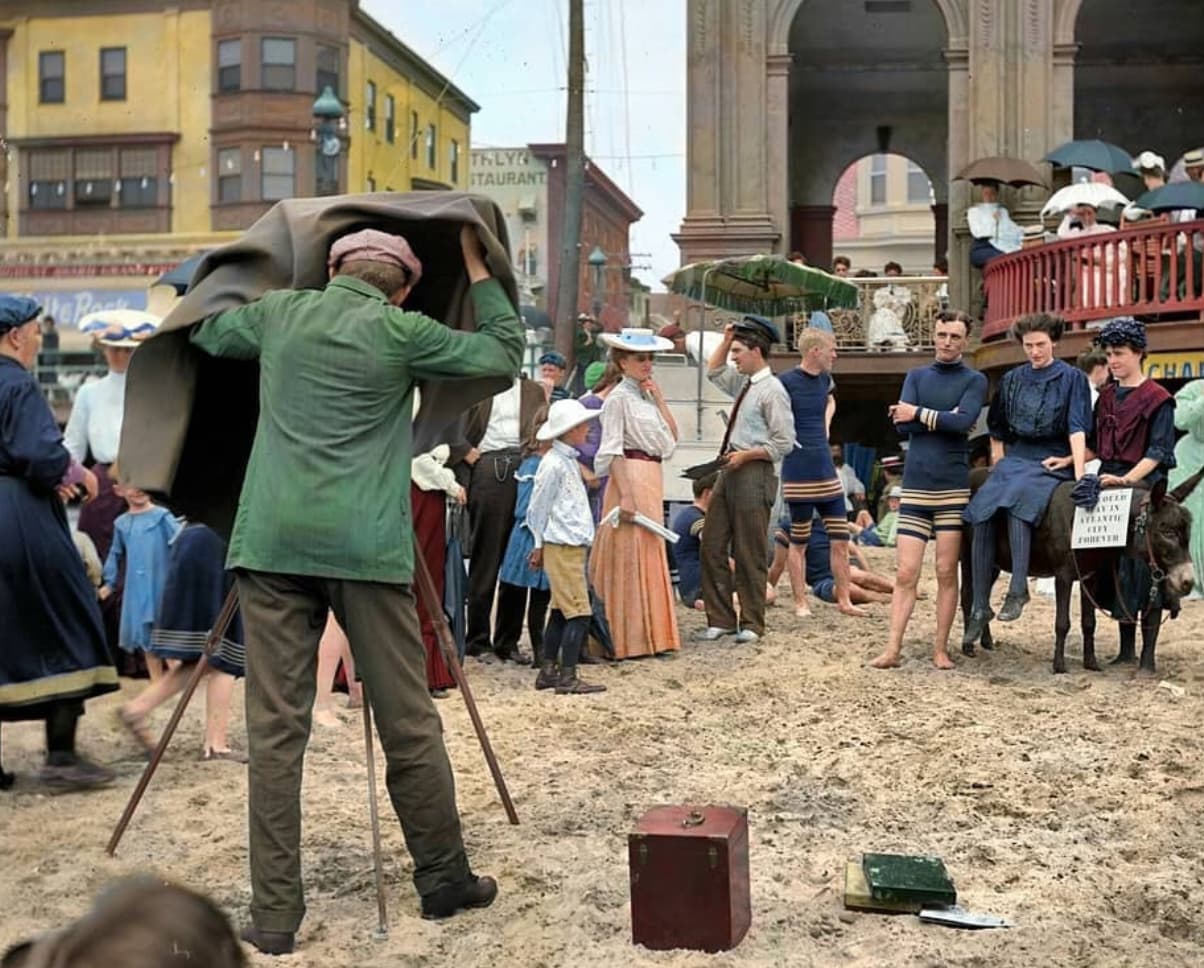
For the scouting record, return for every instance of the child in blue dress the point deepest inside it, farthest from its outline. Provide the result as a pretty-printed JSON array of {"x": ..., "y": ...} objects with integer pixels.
[
  {"x": 522, "y": 586},
  {"x": 142, "y": 543}
]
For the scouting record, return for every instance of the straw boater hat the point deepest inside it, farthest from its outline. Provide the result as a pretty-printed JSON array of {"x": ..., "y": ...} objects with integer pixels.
[
  {"x": 120, "y": 328},
  {"x": 636, "y": 340},
  {"x": 563, "y": 416}
]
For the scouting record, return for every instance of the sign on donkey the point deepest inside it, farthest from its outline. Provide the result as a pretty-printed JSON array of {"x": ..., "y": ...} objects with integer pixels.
[{"x": 1108, "y": 525}]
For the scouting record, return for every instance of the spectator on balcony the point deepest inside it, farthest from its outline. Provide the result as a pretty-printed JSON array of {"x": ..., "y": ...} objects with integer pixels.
[
  {"x": 1103, "y": 278},
  {"x": 892, "y": 269},
  {"x": 553, "y": 368},
  {"x": 797, "y": 258},
  {"x": 991, "y": 225},
  {"x": 842, "y": 266},
  {"x": 1152, "y": 168}
]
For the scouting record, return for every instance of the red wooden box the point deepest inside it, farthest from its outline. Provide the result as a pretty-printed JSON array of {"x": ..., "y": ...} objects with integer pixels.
[{"x": 689, "y": 878}]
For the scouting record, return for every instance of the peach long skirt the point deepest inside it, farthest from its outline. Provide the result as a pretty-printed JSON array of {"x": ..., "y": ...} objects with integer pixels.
[{"x": 629, "y": 570}]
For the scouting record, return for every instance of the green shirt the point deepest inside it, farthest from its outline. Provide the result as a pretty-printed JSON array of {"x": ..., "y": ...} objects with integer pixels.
[
  {"x": 888, "y": 528},
  {"x": 327, "y": 488}
]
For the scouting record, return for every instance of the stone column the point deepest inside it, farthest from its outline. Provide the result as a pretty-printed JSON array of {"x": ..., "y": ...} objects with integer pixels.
[
  {"x": 778, "y": 124},
  {"x": 726, "y": 123}
]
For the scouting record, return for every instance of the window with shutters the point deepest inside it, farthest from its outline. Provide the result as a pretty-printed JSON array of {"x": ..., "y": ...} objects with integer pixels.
[
  {"x": 414, "y": 135},
  {"x": 278, "y": 68},
  {"x": 94, "y": 177},
  {"x": 277, "y": 174},
  {"x": 370, "y": 107},
  {"x": 52, "y": 74},
  {"x": 139, "y": 184},
  {"x": 49, "y": 172},
  {"x": 390, "y": 119},
  {"x": 432, "y": 151},
  {"x": 112, "y": 73},
  {"x": 229, "y": 65},
  {"x": 229, "y": 175},
  {"x": 453, "y": 157},
  {"x": 878, "y": 180}
]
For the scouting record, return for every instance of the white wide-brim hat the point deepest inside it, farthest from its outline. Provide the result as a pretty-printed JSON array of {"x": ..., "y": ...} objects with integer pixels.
[
  {"x": 563, "y": 416},
  {"x": 895, "y": 491},
  {"x": 121, "y": 328},
  {"x": 635, "y": 340}
]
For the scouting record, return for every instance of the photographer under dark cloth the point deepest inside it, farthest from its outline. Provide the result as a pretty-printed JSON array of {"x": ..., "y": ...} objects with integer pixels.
[{"x": 324, "y": 522}]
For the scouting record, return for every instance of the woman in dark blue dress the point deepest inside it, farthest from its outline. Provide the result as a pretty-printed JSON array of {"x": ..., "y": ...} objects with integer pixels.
[
  {"x": 53, "y": 654},
  {"x": 1039, "y": 420}
]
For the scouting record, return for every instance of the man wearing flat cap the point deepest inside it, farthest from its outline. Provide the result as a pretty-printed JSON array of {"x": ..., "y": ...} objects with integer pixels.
[
  {"x": 760, "y": 432},
  {"x": 324, "y": 522},
  {"x": 553, "y": 368}
]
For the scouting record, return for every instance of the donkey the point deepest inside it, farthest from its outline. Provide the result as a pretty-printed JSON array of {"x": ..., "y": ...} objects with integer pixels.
[{"x": 1159, "y": 529}]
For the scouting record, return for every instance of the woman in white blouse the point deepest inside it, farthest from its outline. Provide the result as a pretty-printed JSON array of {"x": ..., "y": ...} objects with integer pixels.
[{"x": 628, "y": 566}]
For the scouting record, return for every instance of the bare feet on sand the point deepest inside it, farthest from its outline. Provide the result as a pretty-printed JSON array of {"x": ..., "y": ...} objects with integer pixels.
[
  {"x": 887, "y": 660},
  {"x": 848, "y": 608},
  {"x": 941, "y": 660},
  {"x": 802, "y": 610}
]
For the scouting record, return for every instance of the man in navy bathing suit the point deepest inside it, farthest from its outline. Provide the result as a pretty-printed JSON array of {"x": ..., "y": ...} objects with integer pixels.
[{"x": 938, "y": 407}]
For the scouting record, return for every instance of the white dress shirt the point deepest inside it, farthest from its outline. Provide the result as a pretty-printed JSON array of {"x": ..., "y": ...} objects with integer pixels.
[
  {"x": 503, "y": 431},
  {"x": 559, "y": 511},
  {"x": 95, "y": 422},
  {"x": 1000, "y": 231},
  {"x": 631, "y": 421}
]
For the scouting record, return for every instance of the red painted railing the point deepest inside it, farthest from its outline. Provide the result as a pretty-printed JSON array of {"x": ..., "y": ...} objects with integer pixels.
[{"x": 1152, "y": 270}]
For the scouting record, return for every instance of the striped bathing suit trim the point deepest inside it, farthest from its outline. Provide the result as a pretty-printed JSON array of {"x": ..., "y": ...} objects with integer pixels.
[
  {"x": 922, "y": 513},
  {"x": 805, "y": 498},
  {"x": 815, "y": 491}
]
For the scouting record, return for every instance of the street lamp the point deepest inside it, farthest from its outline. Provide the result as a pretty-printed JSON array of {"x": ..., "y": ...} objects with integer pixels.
[
  {"x": 330, "y": 120},
  {"x": 597, "y": 262}
]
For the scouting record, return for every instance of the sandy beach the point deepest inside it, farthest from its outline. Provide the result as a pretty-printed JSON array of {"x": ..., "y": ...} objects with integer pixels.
[{"x": 1072, "y": 805}]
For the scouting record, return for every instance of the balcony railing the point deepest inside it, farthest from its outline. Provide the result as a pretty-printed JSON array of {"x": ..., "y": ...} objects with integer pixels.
[
  {"x": 1152, "y": 270},
  {"x": 893, "y": 314}
]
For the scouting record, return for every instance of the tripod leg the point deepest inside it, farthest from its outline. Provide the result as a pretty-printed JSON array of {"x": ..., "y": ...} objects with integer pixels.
[
  {"x": 215, "y": 636},
  {"x": 426, "y": 590},
  {"x": 382, "y": 927}
]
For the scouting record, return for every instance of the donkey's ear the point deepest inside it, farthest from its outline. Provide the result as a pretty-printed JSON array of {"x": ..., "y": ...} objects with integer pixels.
[
  {"x": 1158, "y": 494},
  {"x": 1183, "y": 490}
]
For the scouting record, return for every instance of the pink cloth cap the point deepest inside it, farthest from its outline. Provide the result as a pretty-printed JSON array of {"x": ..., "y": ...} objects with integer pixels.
[{"x": 372, "y": 245}]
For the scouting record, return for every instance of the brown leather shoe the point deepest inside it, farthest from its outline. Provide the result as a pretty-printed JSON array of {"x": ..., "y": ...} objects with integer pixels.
[
  {"x": 571, "y": 684},
  {"x": 548, "y": 677}
]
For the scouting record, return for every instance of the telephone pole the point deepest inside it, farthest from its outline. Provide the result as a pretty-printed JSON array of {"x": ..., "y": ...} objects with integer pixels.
[{"x": 574, "y": 186}]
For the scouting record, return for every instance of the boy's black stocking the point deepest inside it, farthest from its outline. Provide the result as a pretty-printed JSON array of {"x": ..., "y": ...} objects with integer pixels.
[
  {"x": 553, "y": 635},
  {"x": 575, "y": 631},
  {"x": 61, "y": 720}
]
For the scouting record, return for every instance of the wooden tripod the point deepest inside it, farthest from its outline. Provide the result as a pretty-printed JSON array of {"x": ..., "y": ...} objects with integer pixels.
[{"x": 426, "y": 592}]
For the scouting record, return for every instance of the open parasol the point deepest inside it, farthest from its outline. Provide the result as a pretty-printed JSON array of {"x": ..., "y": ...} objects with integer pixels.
[
  {"x": 1010, "y": 171},
  {"x": 765, "y": 284},
  {"x": 1173, "y": 197},
  {"x": 1095, "y": 194},
  {"x": 1094, "y": 154}
]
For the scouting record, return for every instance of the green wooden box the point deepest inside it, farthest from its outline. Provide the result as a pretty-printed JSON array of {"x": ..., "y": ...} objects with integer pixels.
[{"x": 907, "y": 877}]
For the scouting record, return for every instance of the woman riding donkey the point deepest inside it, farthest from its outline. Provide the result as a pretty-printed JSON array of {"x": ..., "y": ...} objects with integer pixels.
[
  {"x": 1134, "y": 439},
  {"x": 1039, "y": 420}
]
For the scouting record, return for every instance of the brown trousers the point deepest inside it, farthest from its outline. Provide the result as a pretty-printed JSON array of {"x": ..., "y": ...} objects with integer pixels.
[
  {"x": 283, "y": 618},
  {"x": 737, "y": 525}
]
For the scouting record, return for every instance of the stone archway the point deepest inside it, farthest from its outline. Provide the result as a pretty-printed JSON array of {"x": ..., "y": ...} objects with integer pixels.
[{"x": 862, "y": 79}]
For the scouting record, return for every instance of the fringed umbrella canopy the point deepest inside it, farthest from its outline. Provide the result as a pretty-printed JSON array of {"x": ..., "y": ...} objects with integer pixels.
[{"x": 764, "y": 284}]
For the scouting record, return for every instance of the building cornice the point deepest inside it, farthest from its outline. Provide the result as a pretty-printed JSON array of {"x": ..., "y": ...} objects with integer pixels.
[
  {"x": 593, "y": 176},
  {"x": 86, "y": 140},
  {"x": 407, "y": 62}
]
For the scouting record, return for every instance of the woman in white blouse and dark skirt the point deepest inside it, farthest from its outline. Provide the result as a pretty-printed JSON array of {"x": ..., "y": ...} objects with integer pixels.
[{"x": 628, "y": 566}]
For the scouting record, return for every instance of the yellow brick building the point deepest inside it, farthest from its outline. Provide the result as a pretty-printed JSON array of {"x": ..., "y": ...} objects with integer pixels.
[{"x": 138, "y": 132}]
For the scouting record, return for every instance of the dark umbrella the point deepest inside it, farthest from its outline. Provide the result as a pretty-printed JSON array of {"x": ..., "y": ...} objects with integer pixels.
[
  {"x": 179, "y": 277},
  {"x": 1010, "y": 171},
  {"x": 1096, "y": 155},
  {"x": 1172, "y": 197},
  {"x": 534, "y": 317}
]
